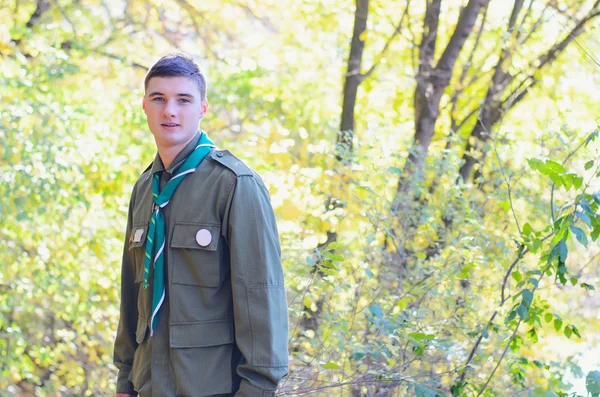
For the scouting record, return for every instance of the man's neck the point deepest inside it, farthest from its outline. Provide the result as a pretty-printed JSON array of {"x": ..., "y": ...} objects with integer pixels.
[{"x": 168, "y": 154}]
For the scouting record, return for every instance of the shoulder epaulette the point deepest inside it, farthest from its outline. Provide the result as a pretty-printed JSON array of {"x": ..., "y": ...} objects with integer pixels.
[{"x": 226, "y": 158}]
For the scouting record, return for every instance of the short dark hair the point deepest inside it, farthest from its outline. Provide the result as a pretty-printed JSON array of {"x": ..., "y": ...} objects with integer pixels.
[{"x": 176, "y": 64}]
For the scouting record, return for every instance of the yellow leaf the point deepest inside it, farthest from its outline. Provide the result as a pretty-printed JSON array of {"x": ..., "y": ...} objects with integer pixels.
[{"x": 363, "y": 35}]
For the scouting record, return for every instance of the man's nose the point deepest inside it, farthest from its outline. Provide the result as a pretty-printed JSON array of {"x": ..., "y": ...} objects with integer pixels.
[{"x": 170, "y": 109}]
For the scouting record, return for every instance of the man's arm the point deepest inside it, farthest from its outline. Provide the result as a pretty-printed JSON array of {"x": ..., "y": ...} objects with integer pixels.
[
  {"x": 125, "y": 343},
  {"x": 259, "y": 299}
]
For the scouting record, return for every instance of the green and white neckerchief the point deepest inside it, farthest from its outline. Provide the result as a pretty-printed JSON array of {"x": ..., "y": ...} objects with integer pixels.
[{"x": 155, "y": 241}]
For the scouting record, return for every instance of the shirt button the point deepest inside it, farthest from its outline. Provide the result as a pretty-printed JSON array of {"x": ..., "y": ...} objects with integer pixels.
[{"x": 219, "y": 154}]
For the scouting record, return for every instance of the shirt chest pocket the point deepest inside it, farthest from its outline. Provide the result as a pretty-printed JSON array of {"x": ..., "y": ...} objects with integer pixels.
[
  {"x": 137, "y": 247},
  {"x": 194, "y": 254}
]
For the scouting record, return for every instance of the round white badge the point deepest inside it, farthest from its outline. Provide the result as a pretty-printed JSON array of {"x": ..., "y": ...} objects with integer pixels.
[{"x": 203, "y": 237}]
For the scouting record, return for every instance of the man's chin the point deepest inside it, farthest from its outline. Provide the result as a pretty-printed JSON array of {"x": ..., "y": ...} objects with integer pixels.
[{"x": 171, "y": 139}]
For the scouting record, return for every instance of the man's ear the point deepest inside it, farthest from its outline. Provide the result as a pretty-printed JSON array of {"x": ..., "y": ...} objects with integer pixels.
[
  {"x": 144, "y": 104},
  {"x": 204, "y": 107}
]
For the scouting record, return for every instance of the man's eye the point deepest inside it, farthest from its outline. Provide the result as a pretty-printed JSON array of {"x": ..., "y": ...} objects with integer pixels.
[
  {"x": 158, "y": 99},
  {"x": 183, "y": 100}
]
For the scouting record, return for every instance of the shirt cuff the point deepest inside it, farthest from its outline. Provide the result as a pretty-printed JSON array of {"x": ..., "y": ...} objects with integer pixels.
[{"x": 124, "y": 385}]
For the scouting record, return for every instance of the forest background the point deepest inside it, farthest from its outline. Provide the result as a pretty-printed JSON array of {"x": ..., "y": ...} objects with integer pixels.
[{"x": 433, "y": 166}]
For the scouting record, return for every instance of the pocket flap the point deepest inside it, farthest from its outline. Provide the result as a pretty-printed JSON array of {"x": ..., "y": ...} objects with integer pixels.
[
  {"x": 142, "y": 327},
  {"x": 137, "y": 237},
  {"x": 202, "y": 334},
  {"x": 204, "y": 236}
]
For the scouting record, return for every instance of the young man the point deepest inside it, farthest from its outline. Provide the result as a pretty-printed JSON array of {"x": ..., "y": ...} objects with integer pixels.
[{"x": 203, "y": 305}]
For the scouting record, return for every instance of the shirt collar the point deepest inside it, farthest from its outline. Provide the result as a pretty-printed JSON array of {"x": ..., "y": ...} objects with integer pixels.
[{"x": 157, "y": 165}]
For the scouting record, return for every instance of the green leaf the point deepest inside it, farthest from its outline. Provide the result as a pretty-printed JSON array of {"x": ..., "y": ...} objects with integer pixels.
[
  {"x": 595, "y": 233},
  {"x": 586, "y": 207},
  {"x": 522, "y": 311},
  {"x": 587, "y": 287},
  {"x": 505, "y": 205},
  {"x": 534, "y": 281},
  {"x": 395, "y": 170},
  {"x": 376, "y": 310},
  {"x": 557, "y": 324},
  {"x": 568, "y": 331},
  {"x": 485, "y": 333},
  {"x": 537, "y": 243},
  {"x": 369, "y": 273},
  {"x": 457, "y": 388},
  {"x": 331, "y": 365},
  {"x": 527, "y": 229},
  {"x": 420, "y": 336},
  {"x": 584, "y": 217},
  {"x": 517, "y": 276},
  {"x": 535, "y": 164},
  {"x": 563, "y": 251},
  {"x": 573, "y": 280},
  {"x": 511, "y": 316},
  {"x": 567, "y": 180},
  {"x": 527, "y": 297},
  {"x": 335, "y": 257},
  {"x": 580, "y": 235},
  {"x": 532, "y": 333},
  {"x": 422, "y": 391},
  {"x": 592, "y": 383},
  {"x": 307, "y": 301},
  {"x": 555, "y": 167},
  {"x": 562, "y": 269},
  {"x": 589, "y": 165},
  {"x": 421, "y": 255},
  {"x": 556, "y": 179},
  {"x": 577, "y": 182},
  {"x": 548, "y": 317}
]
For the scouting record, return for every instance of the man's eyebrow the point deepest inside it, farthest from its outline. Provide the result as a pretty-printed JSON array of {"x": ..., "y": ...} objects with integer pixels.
[{"x": 156, "y": 93}]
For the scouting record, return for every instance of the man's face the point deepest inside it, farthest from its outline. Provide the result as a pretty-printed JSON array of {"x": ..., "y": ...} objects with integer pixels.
[{"x": 174, "y": 109}]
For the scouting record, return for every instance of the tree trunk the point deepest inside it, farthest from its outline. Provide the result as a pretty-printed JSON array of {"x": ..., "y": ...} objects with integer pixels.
[
  {"x": 353, "y": 79},
  {"x": 431, "y": 85},
  {"x": 494, "y": 106}
]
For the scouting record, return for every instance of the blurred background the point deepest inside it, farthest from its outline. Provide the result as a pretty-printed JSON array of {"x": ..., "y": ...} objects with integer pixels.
[{"x": 433, "y": 166}]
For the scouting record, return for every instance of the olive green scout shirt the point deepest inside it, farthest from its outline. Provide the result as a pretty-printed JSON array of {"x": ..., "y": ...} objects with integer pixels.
[{"x": 223, "y": 327}]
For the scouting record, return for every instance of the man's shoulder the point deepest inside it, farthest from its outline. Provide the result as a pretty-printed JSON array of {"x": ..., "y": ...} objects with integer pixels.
[
  {"x": 146, "y": 174},
  {"x": 228, "y": 160},
  {"x": 144, "y": 177}
]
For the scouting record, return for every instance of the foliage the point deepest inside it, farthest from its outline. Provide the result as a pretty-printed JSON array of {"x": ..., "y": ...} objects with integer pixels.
[{"x": 494, "y": 292}]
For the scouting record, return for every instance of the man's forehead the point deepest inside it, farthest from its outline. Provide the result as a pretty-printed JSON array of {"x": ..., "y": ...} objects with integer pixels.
[{"x": 172, "y": 85}]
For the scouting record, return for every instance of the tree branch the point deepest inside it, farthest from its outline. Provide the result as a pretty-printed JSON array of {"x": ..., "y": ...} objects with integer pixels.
[
  {"x": 429, "y": 38},
  {"x": 461, "y": 80},
  {"x": 397, "y": 30},
  {"x": 41, "y": 7},
  {"x": 64, "y": 14},
  {"x": 466, "y": 21},
  {"x": 264, "y": 21}
]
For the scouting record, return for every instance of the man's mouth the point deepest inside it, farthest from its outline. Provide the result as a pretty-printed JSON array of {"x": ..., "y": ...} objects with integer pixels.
[{"x": 170, "y": 125}]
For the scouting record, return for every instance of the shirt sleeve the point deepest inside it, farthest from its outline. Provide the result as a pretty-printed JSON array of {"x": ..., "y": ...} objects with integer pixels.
[
  {"x": 259, "y": 298},
  {"x": 125, "y": 343}
]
